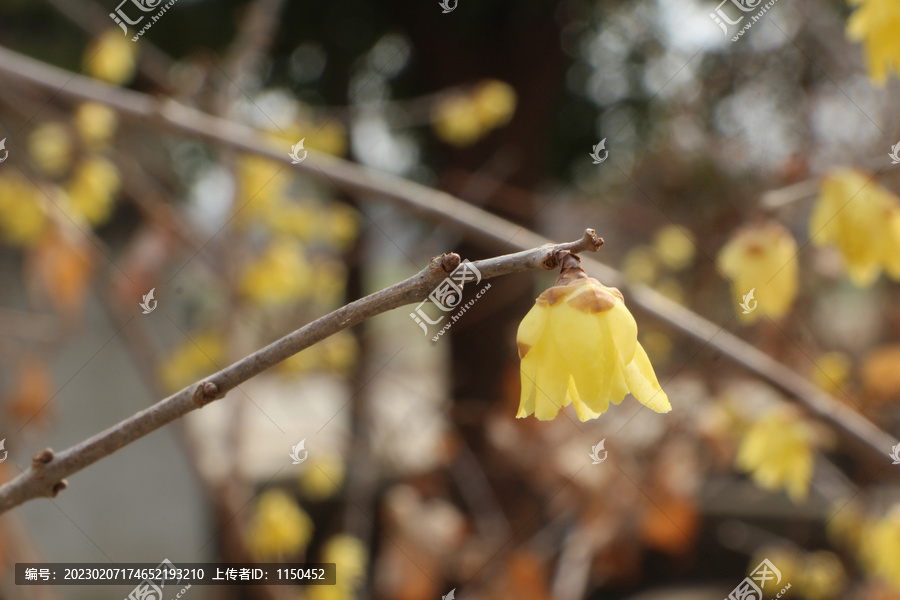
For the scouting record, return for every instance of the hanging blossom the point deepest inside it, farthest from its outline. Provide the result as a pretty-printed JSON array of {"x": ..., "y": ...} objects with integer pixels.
[{"x": 578, "y": 345}]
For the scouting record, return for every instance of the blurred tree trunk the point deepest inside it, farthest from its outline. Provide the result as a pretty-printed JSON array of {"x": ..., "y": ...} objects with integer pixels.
[{"x": 518, "y": 43}]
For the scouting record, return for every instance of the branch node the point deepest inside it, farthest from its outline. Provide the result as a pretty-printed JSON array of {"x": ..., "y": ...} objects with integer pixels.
[
  {"x": 205, "y": 392},
  {"x": 58, "y": 487},
  {"x": 41, "y": 458},
  {"x": 449, "y": 262}
]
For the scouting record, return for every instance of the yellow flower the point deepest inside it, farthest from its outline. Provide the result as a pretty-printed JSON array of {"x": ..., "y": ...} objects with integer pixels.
[
  {"x": 863, "y": 220},
  {"x": 821, "y": 576},
  {"x": 261, "y": 184},
  {"x": 674, "y": 247},
  {"x": 22, "y": 216},
  {"x": 831, "y": 371},
  {"x": 200, "y": 355},
  {"x": 280, "y": 528},
  {"x": 96, "y": 124},
  {"x": 351, "y": 558},
  {"x": 462, "y": 119},
  {"x": 761, "y": 258},
  {"x": 340, "y": 225},
  {"x": 494, "y": 103},
  {"x": 455, "y": 121},
  {"x": 846, "y": 526},
  {"x": 640, "y": 265},
  {"x": 336, "y": 354},
  {"x": 50, "y": 148},
  {"x": 322, "y": 477},
  {"x": 875, "y": 23},
  {"x": 281, "y": 276},
  {"x": 92, "y": 189},
  {"x": 777, "y": 452},
  {"x": 578, "y": 344},
  {"x": 111, "y": 58},
  {"x": 881, "y": 548}
]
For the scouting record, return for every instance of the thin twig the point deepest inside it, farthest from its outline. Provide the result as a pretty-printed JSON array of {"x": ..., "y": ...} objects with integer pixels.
[{"x": 46, "y": 477}]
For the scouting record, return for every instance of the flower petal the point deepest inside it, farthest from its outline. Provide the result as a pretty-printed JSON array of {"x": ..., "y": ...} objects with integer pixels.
[{"x": 643, "y": 383}]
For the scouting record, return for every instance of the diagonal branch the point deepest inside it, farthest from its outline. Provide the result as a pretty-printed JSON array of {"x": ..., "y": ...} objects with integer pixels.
[
  {"x": 45, "y": 476},
  {"x": 441, "y": 207}
]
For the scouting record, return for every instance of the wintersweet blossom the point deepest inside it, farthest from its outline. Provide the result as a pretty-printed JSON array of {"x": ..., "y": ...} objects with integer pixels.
[
  {"x": 875, "y": 23},
  {"x": 578, "y": 345},
  {"x": 777, "y": 451},
  {"x": 862, "y": 219},
  {"x": 761, "y": 261}
]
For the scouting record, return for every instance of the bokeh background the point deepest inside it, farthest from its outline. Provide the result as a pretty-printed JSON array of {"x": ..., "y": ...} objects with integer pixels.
[{"x": 757, "y": 164}]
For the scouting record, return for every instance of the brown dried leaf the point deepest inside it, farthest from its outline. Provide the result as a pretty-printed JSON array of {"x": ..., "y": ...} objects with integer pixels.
[
  {"x": 34, "y": 388},
  {"x": 61, "y": 264}
]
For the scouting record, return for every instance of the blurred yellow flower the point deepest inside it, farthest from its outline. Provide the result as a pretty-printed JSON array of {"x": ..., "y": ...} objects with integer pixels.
[
  {"x": 494, "y": 103},
  {"x": 322, "y": 478},
  {"x": 282, "y": 275},
  {"x": 455, "y": 121},
  {"x": 881, "y": 548},
  {"x": 280, "y": 528},
  {"x": 777, "y": 452},
  {"x": 674, "y": 247},
  {"x": 293, "y": 219},
  {"x": 340, "y": 225},
  {"x": 846, "y": 525},
  {"x": 330, "y": 276},
  {"x": 875, "y": 23},
  {"x": 330, "y": 138},
  {"x": 578, "y": 344},
  {"x": 22, "y": 215},
  {"x": 862, "y": 219},
  {"x": 50, "y": 147},
  {"x": 830, "y": 371},
  {"x": 762, "y": 258},
  {"x": 336, "y": 354},
  {"x": 202, "y": 354},
  {"x": 93, "y": 188},
  {"x": 96, "y": 123},
  {"x": 261, "y": 184},
  {"x": 339, "y": 352},
  {"x": 351, "y": 558},
  {"x": 821, "y": 576},
  {"x": 111, "y": 58},
  {"x": 461, "y": 119},
  {"x": 786, "y": 559},
  {"x": 640, "y": 265}
]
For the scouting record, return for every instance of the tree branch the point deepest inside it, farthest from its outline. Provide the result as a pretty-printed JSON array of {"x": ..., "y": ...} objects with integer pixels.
[
  {"x": 45, "y": 476},
  {"x": 441, "y": 207}
]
